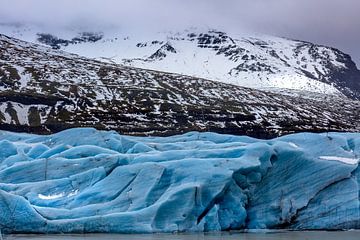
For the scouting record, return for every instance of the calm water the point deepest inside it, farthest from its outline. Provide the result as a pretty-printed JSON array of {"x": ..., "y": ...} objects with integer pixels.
[{"x": 222, "y": 236}]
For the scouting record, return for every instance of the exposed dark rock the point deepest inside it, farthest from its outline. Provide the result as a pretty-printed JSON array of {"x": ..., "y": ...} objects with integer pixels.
[{"x": 64, "y": 90}]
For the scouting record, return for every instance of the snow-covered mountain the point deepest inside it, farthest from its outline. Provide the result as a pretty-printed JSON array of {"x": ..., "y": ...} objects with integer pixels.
[
  {"x": 44, "y": 90},
  {"x": 257, "y": 61}
]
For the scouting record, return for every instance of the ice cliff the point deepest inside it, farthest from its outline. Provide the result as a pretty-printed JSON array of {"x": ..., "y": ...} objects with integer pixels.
[{"x": 84, "y": 180}]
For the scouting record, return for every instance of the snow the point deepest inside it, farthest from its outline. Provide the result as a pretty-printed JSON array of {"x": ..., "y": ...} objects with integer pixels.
[
  {"x": 293, "y": 145},
  {"x": 51, "y": 197},
  {"x": 84, "y": 180},
  {"x": 6, "y": 116},
  {"x": 22, "y": 112},
  {"x": 341, "y": 159},
  {"x": 70, "y": 79},
  {"x": 286, "y": 58},
  {"x": 57, "y": 195}
]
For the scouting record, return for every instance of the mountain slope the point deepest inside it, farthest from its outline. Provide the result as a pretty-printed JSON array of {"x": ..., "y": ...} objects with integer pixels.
[
  {"x": 44, "y": 90},
  {"x": 258, "y": 61}
]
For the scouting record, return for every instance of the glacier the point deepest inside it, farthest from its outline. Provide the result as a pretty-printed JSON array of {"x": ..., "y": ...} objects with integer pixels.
[{"x": 84, "y": 180}]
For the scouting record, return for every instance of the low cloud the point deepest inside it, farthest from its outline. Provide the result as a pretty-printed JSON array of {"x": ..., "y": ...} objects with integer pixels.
[{"x": 330, "y": 22}]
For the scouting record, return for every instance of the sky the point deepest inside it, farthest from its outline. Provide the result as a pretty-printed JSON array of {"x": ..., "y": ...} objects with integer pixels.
[{"x": 334, "y": 23}]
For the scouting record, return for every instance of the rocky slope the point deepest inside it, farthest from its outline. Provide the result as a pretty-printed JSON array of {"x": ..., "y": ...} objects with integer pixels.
[
  {"x": 44, "y": 90},
  {"x": 248, "y": 60}
]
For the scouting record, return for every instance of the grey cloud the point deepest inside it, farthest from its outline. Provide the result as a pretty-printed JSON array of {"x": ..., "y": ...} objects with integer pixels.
[{"x": 330, "y": 22}]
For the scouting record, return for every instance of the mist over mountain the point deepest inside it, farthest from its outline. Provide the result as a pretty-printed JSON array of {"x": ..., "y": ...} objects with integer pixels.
[{"x": 333, "y": 23}]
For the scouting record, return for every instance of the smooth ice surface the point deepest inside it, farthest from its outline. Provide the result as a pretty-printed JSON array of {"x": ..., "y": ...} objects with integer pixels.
[{"x": 84, "y": 180}]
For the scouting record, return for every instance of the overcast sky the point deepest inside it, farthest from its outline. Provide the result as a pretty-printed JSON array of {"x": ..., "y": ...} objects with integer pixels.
[{"x": 330, "y": 22}]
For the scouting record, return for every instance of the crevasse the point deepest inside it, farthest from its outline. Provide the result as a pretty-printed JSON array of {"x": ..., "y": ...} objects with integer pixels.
[{"x": 84, "y": 180}]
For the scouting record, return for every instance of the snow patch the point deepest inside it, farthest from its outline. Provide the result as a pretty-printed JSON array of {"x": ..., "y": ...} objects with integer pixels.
[
  {"x": 340, "y": 159},
  {"x": 51, "y": 197}
]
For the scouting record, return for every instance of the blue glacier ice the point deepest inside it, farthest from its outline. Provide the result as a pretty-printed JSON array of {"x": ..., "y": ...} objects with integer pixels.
[{"x": 84, "y": 180}]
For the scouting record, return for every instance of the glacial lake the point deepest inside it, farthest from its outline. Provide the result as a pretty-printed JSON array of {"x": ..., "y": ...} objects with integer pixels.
[{"x": 348, "y": 235}]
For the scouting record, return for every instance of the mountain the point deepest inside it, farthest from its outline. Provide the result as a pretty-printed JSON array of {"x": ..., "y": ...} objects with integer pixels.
[
  {"x": 250, "y": 60},
  {"x": 43, "y": 90}
]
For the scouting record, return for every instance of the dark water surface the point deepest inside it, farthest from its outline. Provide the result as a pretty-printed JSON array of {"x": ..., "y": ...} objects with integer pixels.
[{"x": 349, "y": 235}]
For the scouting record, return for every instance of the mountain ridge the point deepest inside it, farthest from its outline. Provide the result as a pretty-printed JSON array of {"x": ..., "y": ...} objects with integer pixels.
[
  {"x": 45, "y": 91},
  {"x": 257, "y": 61}
]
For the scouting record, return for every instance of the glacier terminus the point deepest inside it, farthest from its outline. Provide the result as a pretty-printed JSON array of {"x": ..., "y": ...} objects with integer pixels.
[{"x": 83, "y": 180}]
